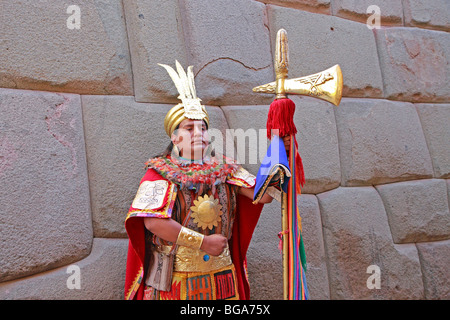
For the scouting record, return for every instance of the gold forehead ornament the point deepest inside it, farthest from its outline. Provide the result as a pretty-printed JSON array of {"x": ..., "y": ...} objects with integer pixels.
[{"x": 190, "y": 106}]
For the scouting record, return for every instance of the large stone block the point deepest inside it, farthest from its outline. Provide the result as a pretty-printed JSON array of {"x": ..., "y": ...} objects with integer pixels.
[
  {"x": 100, "y": 276},
  {"x": 417, "y": 210},
  {"x": 427, "y": 14},
  {"x": 317, "y": 42},
  {"x": 39, "y": 51},
  {"x": 316, "y": 126},
  {"x": 229, "y": 45},
  {"x": 415, "y": 64},
  {"x": 380, "y": 141},
  {"x": 44, "y": 192},
  {"x": 435, "y": 119},
  {"x": 390, "y": 11},
  {"x": 156, "y": 35},
  {"x": 357, "y": 239},
  {"x": 435, "y": 259},
  {"x": 121, "y": 135}
]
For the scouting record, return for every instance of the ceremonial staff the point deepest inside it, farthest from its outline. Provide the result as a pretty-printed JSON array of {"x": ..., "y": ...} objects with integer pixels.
[{"x": 326, "y": 85}]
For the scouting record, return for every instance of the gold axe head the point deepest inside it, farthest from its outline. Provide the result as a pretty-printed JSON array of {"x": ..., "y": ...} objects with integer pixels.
[{"x": 326, "y": 85}]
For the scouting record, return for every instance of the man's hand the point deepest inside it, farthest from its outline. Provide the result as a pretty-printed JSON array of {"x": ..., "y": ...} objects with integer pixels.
[
  {"x": 214, "y": 244},
  {"x": 287, "y": 144},
  {"x": 169, "y": 229}
]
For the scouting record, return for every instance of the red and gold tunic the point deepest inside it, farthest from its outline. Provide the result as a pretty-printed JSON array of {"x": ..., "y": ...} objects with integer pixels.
[{"x": 179, "y": 190}]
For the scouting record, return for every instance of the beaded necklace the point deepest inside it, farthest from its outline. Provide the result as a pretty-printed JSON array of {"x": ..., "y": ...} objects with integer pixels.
[{"x": 193, "y": 173}]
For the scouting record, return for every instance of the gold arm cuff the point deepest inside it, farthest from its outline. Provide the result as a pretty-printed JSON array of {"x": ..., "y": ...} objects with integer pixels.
[{"x": 190, "y": 238}]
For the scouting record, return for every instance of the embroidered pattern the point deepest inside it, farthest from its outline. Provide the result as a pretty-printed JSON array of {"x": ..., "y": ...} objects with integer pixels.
[
  {"x": 173, "y": 294},
  {"x": 225, "y": 288},
  {"x": 151, "y": 194},
  {"x": 242, "y": 178},
  {"x": 150, "y": 293},
  {"x": 219, "y": 284},
  {"x": 199, "y": 288},
  {"x": 135, "y": 285},
  {"x": 246, "y": 176},
  {"x": 192, "y": 175},
  {"x": 164, "y": 212}
]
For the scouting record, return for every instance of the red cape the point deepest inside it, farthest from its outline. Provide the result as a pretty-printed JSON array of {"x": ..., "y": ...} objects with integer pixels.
[{"x": 247, "y": 215}]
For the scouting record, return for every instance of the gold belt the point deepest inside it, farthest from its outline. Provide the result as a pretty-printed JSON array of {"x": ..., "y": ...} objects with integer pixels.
[{"x": 192, "y": 260}]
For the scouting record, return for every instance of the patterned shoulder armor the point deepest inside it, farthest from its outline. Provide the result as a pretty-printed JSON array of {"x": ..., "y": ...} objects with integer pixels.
[
  {"x": 242, "y": 178},
  {"x": 154, "y": 197}
]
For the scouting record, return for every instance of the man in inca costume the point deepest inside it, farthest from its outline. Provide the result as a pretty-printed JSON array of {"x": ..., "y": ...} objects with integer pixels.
[{"x": 192, "y": 219}]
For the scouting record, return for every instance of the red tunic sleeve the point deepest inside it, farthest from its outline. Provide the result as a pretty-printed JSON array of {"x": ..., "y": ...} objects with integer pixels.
[{"x": 154, "y": 198}]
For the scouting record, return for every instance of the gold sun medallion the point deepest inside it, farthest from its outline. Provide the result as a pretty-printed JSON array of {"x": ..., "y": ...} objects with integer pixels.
[{"x": 206, "y": 211}]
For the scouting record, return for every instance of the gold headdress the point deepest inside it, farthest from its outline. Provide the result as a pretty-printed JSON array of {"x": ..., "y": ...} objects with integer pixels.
[{"x": 190, "y": 106}]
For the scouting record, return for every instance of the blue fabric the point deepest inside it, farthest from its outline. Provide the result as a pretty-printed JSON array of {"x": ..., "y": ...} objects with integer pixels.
[{"x": 276, "y": 155}]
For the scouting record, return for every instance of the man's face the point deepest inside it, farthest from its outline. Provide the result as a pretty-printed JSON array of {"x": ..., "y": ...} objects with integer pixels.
[{"x": 191, "y": 138}]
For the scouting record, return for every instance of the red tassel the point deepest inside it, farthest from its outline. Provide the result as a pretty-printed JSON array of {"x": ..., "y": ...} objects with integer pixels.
[
  {"x": 299, "y": 169},
  {"x": 281, "y": 117}
]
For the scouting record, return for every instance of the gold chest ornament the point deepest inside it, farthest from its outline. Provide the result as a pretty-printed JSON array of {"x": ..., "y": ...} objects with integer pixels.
[{"x": 206, "y": 212}]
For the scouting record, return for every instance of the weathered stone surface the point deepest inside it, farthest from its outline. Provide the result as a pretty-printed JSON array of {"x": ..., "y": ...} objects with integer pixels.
[
  {"x": 316, "y": 273},
  {"x": 435, "y": 259},
  {"x": 121, "y": 135},
  {"x": 380, "y": 141},
  {"x": 265, "y": 266},
  {"x": 356, "y": 234},
  {"x": 435, "y": 119},
  {"x": 427, "y": 14},
  {"x": 44, "y": 193},
  {"x": 229, "y": 45},
  {"x": 316, "y": 126},
  {"x": 318, "y": 6},
  {"x": 417, "y": 210},
  {"x": 156, "y": 35},
  {"x": 102, "y": 277},
  {"x": 226, "y": 42},
  {"x": 391, "y": 11},
  {"x": 248, "y": 130},
  {"x": 317, "y": 42},
  {"x": 415, "y": 64},
  {"x": 38, "y": 51}
]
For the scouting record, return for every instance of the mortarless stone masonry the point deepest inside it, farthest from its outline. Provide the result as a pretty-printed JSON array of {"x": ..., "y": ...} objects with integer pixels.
[{"x": 82, "y": 111}]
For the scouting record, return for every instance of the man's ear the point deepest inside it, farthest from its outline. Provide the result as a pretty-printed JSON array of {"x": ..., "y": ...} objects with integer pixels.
[{"x": 174, "y": 138}]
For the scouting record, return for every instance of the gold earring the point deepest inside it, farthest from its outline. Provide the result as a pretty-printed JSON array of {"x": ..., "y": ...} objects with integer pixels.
[{"x": 175, "y": 151}]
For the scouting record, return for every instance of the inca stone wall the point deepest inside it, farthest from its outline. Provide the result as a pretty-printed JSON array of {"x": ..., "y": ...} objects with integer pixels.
[{"x": 82, "y": 109}]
